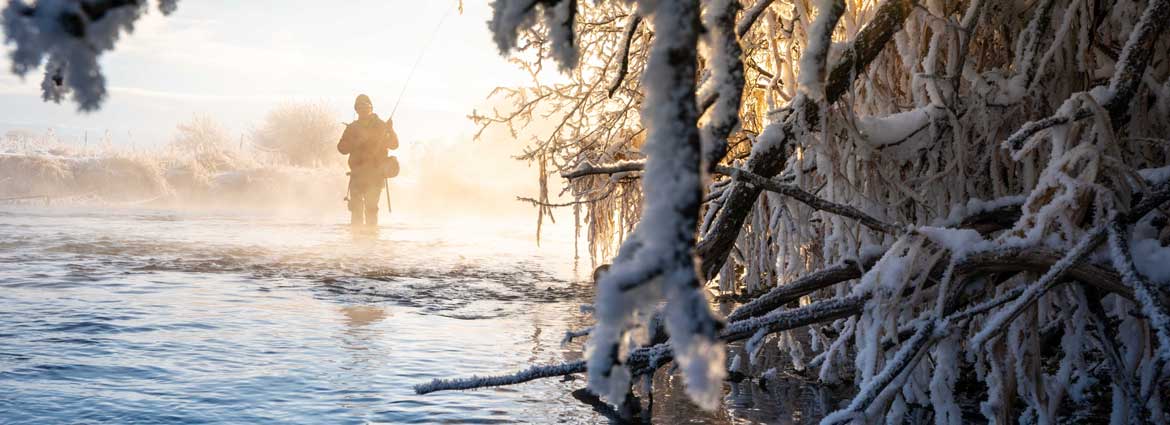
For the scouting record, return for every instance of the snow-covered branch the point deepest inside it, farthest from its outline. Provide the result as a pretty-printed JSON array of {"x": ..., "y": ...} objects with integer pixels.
[
  {"x": 510, "y": 17},
  {"x": 631, "y": 29},
  {"x": 1123, "y": 85},
  {"x": 784, "y": 294},
  {"x": 1148, "y": 296},
  {"x": 727, "y": 77},
  {"x": 658, "y": 258},
  {"x": 769, "y": 154},
  {"x": 1080, "y": 251},
  {"x": 530, "y": 374},
  {"x": 751, "y": 15},
  {"x": 587, "y": 169},
  {"x": 809, "y": 199},
  {"x": 67, "y": 38}
]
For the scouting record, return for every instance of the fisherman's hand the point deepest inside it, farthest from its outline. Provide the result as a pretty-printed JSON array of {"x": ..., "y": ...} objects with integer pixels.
[{"x": 390, "y": 123}]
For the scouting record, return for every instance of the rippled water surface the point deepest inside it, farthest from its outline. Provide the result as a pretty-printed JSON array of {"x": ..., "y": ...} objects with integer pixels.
[{"x": 145, "y": 316}]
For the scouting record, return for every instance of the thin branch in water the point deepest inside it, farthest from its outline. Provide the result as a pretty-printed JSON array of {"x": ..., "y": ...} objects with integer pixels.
[{"x": 532, "y": 373}]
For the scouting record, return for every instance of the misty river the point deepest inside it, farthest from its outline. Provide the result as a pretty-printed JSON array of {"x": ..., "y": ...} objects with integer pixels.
[{"x": 162, "y": 316}]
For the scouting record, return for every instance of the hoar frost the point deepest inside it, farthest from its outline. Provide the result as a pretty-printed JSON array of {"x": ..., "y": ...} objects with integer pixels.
[{"x": 68, "y": 37}]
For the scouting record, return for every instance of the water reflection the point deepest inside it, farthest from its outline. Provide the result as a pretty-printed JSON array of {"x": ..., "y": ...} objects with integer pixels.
[
  {"x": 363, "y": 354},
  {"x": 360, "y": 316}
]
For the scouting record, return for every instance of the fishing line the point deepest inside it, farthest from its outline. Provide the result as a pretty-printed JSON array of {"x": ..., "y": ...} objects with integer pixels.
[
  {"x": 417, "y": 61},
  {"x": 410, "y": 76}
]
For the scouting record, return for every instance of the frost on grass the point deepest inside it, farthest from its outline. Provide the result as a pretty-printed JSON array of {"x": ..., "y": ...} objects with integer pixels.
[{"x": 67, "y": 37}]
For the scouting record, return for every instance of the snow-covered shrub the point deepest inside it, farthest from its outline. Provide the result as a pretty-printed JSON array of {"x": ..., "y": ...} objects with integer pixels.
[
  {"x": 302, "y": 134},
  {"x": 23, "y": 175},
  {"x": 119, "y": 178},
  {"x": 930, "y": 180}
]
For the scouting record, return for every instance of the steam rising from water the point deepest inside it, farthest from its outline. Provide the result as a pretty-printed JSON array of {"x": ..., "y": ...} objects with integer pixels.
[{"x": 455, "y": 179}]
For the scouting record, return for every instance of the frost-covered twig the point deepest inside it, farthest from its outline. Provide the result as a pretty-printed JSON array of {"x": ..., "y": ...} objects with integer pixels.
[
  {"x": 751, "y": 15},
  {"x": 870, "y": 41},
  {"x": 657, "y": 259},
  {"x": 809, "y": 199},
  {"x": 814, "y": 59},
  {"x": 1038, "y": 260},
  {"x": 532, "y": 373},
  {"x": 1029, "y": 41},
  {"x": 1026, "y": 131},
  {"x": 539, "y": 203},
  {"x": 1123, "y": 85},
  {"x": 727, "y": 77},
  {"x": 781, "y": 320},
  {"x": 631, "y": 28},
  {"x": 587, "y": 169},
  {"x": 1135, "y": 57},
  {"x": 1148, "y": 297},
  {"x": 571, "y": 335},
  {"x": 1109, "y": 343},
  {"x": 767, "y": 159},
  {"x": 905, "y": 358},
  {"x": 509, "y": 17},
  {"x": 1080, "y": 251},
  {"x": 783, "y": 294}
]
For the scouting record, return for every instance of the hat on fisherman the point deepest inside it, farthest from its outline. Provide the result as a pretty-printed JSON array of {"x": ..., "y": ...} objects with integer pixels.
[{"x": 362, "y": 100}]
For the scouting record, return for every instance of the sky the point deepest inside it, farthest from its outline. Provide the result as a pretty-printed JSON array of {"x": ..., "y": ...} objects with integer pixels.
[{"x": 234, "y": 61}]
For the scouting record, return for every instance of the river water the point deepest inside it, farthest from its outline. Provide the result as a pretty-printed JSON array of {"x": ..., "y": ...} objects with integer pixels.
[{"x": 160, "y": 316}]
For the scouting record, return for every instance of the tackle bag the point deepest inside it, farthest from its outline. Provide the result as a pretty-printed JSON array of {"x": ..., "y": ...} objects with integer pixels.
[{"x": 390, "y": 167}]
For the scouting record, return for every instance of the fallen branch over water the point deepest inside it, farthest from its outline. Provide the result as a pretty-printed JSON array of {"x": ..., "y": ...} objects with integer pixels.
[{"x": 648, "y": 358}]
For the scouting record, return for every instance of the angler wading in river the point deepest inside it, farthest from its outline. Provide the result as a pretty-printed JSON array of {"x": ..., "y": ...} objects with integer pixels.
[{"x": 368, "y": 141}]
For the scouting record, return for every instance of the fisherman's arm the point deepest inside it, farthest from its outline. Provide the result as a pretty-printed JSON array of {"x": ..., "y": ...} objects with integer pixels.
[
  {"x": 345, "y": 145},
  {"x": 391, "y": 136}
]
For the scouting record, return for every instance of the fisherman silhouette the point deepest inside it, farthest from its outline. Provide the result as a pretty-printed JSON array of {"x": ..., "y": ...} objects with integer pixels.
[{"x": 367, "y": 141}]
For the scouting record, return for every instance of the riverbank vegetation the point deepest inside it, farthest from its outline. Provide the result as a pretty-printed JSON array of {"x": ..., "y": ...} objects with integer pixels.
[
  {"x": 959, "y": 204},
  {"x": 927, "y": 190}
]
